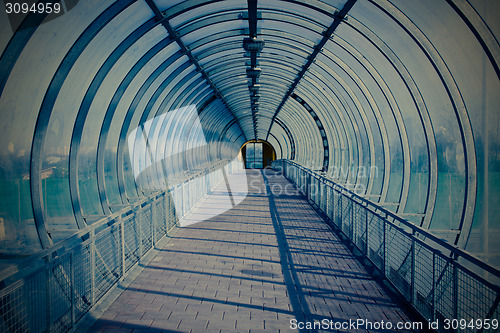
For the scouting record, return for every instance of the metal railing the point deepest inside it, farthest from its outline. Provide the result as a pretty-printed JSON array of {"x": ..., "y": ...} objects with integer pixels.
[
  {"x": 53, "y": 290},
  {"x": 442, "y": 282}
]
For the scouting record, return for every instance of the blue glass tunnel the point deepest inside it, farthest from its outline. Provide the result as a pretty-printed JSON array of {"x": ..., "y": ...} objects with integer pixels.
[
  {"x": 397, "y": 100},
  {"x": 104, "y": 103}
]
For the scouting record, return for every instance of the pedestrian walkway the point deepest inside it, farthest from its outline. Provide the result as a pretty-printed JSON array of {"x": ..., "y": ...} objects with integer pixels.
[{"x": 268, "y": 264}]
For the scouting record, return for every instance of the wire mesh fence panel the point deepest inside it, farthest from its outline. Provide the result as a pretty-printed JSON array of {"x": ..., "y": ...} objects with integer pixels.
[
  {"x": 159, "y": 223},
  {"x": 399, "y": 260},
  {"x": 170, "y": 211},
  {"x": 302, "y": 181},
  {"x": 445, "y": 284},
  {"x": 37, "y": 304},
  {"x": 178, "y": 197},
  {"x": 359, "y": 226},
  {"x": 205, "y": 185},
  {"x": 82, "y": 280},
  {"x": 131, "y": 242},
  {"x": 423, "y": 283},
  {"x": 320, "y": 195},
  {"x": 191, "y": 194},
  {"x": 329, "y": 202},
  {"x": 107, "y": 260},
  {"x": 474, "y": 296},
  {"x": 376, "y": 240},
  {"x": 14, "y": 310},
  {"x": 315, "y": 190},
  {"x": 23, "y": 307},
  {"x": 145, "y": 218},
  {"x": 422, "y": 267},
  {"x": 58, "y": 290},
  {"x": 185, "y": 198},
  {"x": 59, "y": 279},
  {"x": 337, "y": 201},
  {"x": 346, "y": 216},
  {"x": 198, "y": 191}
]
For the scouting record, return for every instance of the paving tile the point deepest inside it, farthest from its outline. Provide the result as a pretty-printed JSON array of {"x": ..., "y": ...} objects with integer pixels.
[{"x": 253, "y": 268}]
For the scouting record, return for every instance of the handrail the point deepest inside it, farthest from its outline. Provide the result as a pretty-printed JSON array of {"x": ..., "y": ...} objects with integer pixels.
[
  {"x": 423, "y": 268},
  {"x": 93, "y": 260},
  {"x": 32, "y": 262},
  {"x": 458, "y": 252}
]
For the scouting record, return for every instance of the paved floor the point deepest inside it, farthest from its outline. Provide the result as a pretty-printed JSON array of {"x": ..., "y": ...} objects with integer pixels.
[{"x": 264, "y": 265}]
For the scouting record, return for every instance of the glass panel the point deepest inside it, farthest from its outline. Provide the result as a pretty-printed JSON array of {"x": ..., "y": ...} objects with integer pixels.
[
  {"x": 258, "y": 156},
  {"x": 207, "y": 9},
  {"x": 254, "y": 155},
  {"x": 89, "y": 193},
  {"x": 223, "y": 26},
  {"x": 31, "y": 76},
  {"x": 297, "y": 9}
]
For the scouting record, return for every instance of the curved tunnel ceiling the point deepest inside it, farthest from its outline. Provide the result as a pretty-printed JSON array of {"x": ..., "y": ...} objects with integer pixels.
[{"x": 398, "y": 100}]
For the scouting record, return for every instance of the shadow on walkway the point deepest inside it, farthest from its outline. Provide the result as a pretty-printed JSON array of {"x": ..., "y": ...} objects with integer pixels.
[{"x": 265, "y": 265}]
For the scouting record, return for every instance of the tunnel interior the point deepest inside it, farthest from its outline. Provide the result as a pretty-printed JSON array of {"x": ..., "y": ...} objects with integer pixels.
[
  {"x": 106, "y": 102},
  {"x": 120, "y": 118}
]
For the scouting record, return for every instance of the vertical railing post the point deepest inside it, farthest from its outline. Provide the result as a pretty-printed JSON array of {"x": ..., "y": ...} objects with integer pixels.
[
  {"x": 351, "y": 225},
  {"x": 185, "y": 197},
  {"x": 318, "y": 193},
  {"x": 455, "y": 289},
  {"x": 310, "y": 181},
  {"x": 307, "y": 182},
  {"x": 340, "y": 210},
  {"x": 72, "y": 286},
  {"x": 153, "y": 222},
  {"x": 166, "y": 211},
  {"x": 122, "y": 243},
  {"x": 322, "y": 195},
  {"x": 384, "y": 259},
  {"x": 314, "y": 189},
  {"x": 334, "y": 203},
  {"x": 138, "y": 220},
  {"x": 92, "y": 266},
  {"x": 48, "y": 300},
  {"x": 434, "y": 287},
  {"x": 412, "y": 272},
  {"x": 366, "y": 234},
  {"x": 181, "y": 201},
  {"x": 325, "y": 197}
]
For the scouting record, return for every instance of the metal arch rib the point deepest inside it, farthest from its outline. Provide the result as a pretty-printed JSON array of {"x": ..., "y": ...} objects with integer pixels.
[
  {"x": 321, "y": 129},
  {"x": 290, "y": 137},
  {"x": 339, "y": 17},
  {"x": 174, "y": 36}
]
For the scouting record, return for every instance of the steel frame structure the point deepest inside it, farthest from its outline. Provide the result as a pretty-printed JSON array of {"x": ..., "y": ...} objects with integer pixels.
[{"x": 372, "y": 105}]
